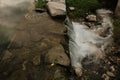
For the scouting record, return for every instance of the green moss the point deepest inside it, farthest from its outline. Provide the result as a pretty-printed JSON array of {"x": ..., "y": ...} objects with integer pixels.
[
  {"x": 82, "y": 7},
  {"x": 117, "y": 30},
  {"x": 117, "y": 22},
  {"x": 40, "y": 4}
]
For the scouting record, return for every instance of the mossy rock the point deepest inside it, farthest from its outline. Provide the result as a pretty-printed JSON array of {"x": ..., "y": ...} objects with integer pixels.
[{"x": 82, "y": 7}]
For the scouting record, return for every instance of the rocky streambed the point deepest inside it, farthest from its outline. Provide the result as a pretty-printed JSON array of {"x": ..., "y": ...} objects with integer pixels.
[
  {"x": 35, "y": 50},
  {"x": 38, "y": 50}
]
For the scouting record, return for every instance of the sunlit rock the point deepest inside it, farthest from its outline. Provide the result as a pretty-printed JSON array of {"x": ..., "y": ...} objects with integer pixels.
[{"x": 56, "y": 8}]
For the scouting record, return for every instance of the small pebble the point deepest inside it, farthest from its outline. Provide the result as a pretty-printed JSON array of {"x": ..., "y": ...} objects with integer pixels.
[
  {"x": 53, "y": 64},
  {"x": 72, "y": 8}
]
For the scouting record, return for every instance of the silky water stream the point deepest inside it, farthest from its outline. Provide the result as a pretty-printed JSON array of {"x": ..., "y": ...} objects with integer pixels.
[{"x": 89, "y": 42}]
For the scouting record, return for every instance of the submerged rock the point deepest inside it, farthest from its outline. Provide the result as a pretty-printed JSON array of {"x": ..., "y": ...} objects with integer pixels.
[
  {"x": 36, "y": 60},
  {"x": 57, "y": 55},
  {"x": 7, "y": 55}
]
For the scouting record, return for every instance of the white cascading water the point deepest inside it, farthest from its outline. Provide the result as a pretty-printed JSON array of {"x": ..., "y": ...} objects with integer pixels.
[{"x": 86, "y": 42}]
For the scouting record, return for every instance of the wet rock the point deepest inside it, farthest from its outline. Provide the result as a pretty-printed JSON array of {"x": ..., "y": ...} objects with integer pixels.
[
  {"x": 51, "y": 40},
  {"x": 36, "y": 60},
  {"x": 7, "y": 55},
  {"x": 110, "y": 74},
  {"x": 78, "y": 71},
  {"x": 27, "y": 45},
  {"x": 58, "y": 75},
  {"x": 22, "y": 38},
  {"x": 90, "y": 25},
  {"x": 91, "y": 17},
  {"x": 42, "y": 45},
  {"x": 72, "y": 8},
  {"x": 105, "y": 77},
  {"x": 57, "y": 55},
  {"x": 56, "y": 8}
]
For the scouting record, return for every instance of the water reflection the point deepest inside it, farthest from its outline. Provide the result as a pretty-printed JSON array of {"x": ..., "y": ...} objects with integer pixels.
[{"x": 11, "y": 12}]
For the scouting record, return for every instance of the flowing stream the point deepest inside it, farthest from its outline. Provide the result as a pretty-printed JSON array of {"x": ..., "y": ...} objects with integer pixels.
[{"x": 89, "y": 42}]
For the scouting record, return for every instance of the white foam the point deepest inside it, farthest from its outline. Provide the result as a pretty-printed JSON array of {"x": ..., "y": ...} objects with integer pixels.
[{"x": 85, "y": 41}]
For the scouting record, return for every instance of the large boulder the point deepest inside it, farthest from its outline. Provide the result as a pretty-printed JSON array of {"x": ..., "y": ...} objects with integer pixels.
[{"x": 56, "y": 8}]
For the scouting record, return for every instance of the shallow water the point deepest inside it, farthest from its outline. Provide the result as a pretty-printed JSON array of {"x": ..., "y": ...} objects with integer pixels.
[{"x": 11, "y": 13}]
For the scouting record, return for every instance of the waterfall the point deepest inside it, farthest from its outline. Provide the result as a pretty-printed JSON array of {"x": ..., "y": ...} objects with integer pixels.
[{"x": 86, "y": 42}]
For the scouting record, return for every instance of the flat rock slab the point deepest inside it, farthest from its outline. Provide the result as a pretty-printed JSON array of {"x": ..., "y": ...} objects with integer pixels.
[{"x": 35, "y": 35}]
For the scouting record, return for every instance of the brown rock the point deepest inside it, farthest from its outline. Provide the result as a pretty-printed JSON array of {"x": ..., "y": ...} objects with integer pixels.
[
  {"x": 110, "y": 74},
  {"x": 7, "y": 55},
  {"x": 58, "y": 75},
  {"x": 36, "y": 60},
  {"x": 57, "y": 55}
]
